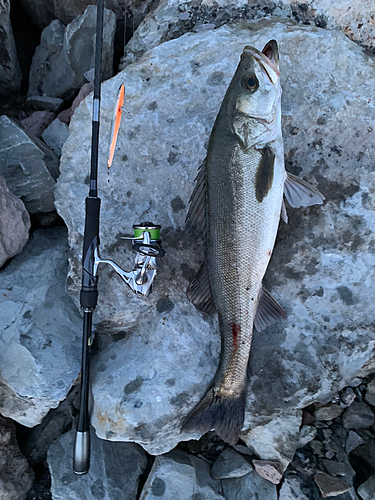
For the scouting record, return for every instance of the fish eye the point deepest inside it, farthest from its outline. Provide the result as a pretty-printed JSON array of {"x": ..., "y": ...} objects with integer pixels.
[{"x": 250, "y": 82}]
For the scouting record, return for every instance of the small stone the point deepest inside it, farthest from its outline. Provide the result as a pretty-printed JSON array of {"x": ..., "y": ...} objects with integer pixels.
[
  {"x": 55, "y": 136},
  {"x": 334, "y": 468},
  {"x": 367, "y": 489},
  {"x": 270, "y": 470},
  {"x": 317, "y": 447},
  {"x": 45, "y": 103},
  {"x": 330, "y": 454},
  {"x": 307, "y": 418},
  {"x": 230, "y": 464},
  {"x": 328, "y": 412},
  {"x": 358, "y": 416},
  {"x": 353, "y": 441},
  {"x": 291, "y": 490},
  {"x": 37, "y": 122},
  {"x": 250, "y": 486},
  {"x": 370, "y": 393},
  {"x": 348, "y": 396},
  {"x": 355, "y": 382},
  {"x": 306, "y": 434},
  {"x": 244, "y": 450},
  {"x": 330, "y": 486}
]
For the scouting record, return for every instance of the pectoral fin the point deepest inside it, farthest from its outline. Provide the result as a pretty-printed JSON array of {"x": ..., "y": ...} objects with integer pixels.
[
  {"x": 199, "y": 290},
  {"x": 196, "y": 217},
  {"x": 300, "y": 193},
  {"x": 269, "y": 311}
]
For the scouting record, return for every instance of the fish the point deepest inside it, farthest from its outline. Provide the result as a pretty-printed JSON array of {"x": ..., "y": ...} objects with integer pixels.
[{"x": 236, "y": 205}]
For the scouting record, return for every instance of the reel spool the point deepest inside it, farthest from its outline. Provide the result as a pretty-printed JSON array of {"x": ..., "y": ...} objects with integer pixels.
[{"x": 147, "y": 245}]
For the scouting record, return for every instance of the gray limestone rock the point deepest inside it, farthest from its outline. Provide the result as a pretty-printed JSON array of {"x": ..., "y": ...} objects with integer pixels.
[
  {"x": 16, "y": 476},
  {"x": 40, "y": 342},
  {"x": 45, "y": 102},
  {"x": 249, "y": 486},
  {"x": 65, "y": 54},
  {"x": 115, "y": 469},
  {"x": 348, "y": 396},
  {"x": 145, "y": 384},
  {"x": 366, "y": 490},
  {"x": 353, "y": 441},
  {"x": 358, "y": 416},
  {"x": 230, "y": 464},
  {"x": 29, "y": 167},
  {"x": 10, "y": 71},
  {"x": 14, "y": 223},
  {"x": 55, "y": 136},
  {"x": 328, "y": 412},
  {"x": 180, "y": 476},
  {"x": 370, "y": 393},
  {"x": 334, "y": 468}
]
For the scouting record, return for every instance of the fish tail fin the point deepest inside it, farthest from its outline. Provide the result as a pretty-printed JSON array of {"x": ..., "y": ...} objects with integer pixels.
[{"x": 224, "y": 414}]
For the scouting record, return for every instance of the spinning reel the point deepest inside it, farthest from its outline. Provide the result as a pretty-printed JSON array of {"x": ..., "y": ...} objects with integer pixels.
[{"x": 146, "y": 242}]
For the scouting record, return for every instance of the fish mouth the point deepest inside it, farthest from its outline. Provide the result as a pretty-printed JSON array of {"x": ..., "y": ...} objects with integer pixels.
[{"x": 267, "y": 64}]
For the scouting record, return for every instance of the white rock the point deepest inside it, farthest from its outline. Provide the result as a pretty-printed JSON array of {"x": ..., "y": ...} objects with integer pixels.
[
  {"x": 323, "y": 279},
  {"x": 40, "y": 342},
  {"x": 306, "y": 434},
  {"x": 14, "y": 223},
  {"x": 276, "y": 440},
  {"x": 230, "y": 464},
  {"x": 291, "y": 490},
  {"x": 180, "y": 476}
]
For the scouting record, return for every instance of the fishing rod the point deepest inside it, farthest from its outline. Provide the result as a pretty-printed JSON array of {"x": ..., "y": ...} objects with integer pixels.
[{"x": 145, "y": 242}]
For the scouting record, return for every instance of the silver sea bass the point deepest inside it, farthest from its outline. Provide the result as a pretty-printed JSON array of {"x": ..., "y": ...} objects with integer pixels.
[{"x": 237, "y": 203}]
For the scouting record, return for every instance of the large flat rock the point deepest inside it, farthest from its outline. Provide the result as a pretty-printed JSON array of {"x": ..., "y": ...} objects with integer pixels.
[
  {"x": 321, "y": 270},
  {"x": 40, "y": 340}
]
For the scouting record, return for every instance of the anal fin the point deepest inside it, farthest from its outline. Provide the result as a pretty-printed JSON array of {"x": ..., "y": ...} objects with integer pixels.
[
  {"x": 268, "y": 312},
  {"x": 300, "y": 193},
  {"x": 199, "y": 290}
]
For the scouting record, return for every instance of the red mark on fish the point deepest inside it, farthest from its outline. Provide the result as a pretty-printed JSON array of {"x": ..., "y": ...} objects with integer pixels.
[{"x": 236, "y": 330}]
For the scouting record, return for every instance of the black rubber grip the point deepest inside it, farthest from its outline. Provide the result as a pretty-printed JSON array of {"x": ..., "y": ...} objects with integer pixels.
[
  {"x": 88, "y": 299},
  {"x": 91, "y": 224}
]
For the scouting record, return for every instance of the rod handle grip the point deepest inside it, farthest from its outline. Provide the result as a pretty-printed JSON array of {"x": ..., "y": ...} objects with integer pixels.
[{"x": 81, "y": 453}]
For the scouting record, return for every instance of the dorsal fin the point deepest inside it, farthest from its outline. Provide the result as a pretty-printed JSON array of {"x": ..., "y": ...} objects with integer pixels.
[{"x": 196, "y": 216}]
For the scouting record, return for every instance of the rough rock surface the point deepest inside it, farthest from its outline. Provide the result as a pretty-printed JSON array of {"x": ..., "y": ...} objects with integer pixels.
[
  {"x": 115, "y": 469},
  {"x": 10, "y": 71},
  {"x": 16, "y": 476},
  {"x": 14, "y": 223},
  {"x": 55, "y": 136},
  {"x": 267, "y": 469},
  {"x": 291, "y": 490},
  {"x": 40, "y": 342},
  {"x": 173, "y": 18},
  {"x": 367, "y": 489},
  {"x": 322, "y": 278},
  {"x": 249, "y": 486},
  {"x": 45, "y": 102},
  {"x": 358, "y": 416},
  {"x": 230, "y": 464},
  {"x": 29, "y": 167},
  {"x": 66, "y": 53},
  {"x": 177, "y": 475}
]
